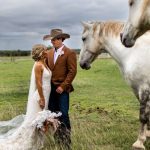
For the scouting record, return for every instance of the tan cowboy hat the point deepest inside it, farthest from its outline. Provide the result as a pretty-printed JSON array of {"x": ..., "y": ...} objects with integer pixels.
[{"x": 56, "y": 33}]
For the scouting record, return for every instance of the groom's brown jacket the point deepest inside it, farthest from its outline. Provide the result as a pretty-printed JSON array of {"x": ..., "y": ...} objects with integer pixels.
[{"x": 64, "y": 69}]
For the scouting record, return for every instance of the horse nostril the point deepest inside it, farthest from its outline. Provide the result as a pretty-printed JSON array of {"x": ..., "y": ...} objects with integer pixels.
[
  {"x": 84, "y": 66},
  {"x": 124, "y": 41},
  {"x": 81, "y": 64}
]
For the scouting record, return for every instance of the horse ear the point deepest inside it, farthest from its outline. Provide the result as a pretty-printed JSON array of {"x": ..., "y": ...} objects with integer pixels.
[{"x": 86, "y": 25}]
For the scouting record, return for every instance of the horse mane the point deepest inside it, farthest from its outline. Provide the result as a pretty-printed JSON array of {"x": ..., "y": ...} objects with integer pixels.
[
  {"x": 108, "y": 27},
  {"x": 112, "y": 27},
  {"x": 145, "y": 5}
]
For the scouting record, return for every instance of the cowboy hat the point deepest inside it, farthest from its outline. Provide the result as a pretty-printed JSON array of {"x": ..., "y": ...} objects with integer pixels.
[{"x": 56, "y": 33}]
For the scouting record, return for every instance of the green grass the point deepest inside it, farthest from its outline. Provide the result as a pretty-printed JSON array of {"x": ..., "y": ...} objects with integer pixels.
[{"x": 103, "y": 110}]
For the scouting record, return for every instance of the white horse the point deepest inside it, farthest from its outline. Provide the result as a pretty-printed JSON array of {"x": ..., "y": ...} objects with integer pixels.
[
  {"x": 134, "y": 64},
  {"x": 138, "y": 22}
]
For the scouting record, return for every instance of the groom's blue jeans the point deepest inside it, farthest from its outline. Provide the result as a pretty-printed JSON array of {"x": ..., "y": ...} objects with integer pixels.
[{"x": 60, "y": 102}]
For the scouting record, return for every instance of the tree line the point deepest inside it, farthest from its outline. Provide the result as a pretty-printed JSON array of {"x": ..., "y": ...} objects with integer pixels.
[
  {"x": 12, "y": 53},
  {"x": 15, "y": 53}
]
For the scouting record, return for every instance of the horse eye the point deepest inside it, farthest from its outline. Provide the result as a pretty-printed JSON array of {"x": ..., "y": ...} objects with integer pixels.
[
  {"x": 83, "y": 39},
  {"x": 131, "y": 3}
]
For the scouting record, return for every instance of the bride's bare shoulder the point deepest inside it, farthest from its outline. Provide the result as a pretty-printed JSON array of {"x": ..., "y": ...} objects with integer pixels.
[{"x": 38, "y": 66}]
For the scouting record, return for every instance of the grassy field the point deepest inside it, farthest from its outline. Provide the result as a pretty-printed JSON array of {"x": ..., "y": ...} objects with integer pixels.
[{"x": 103, "y": 110}]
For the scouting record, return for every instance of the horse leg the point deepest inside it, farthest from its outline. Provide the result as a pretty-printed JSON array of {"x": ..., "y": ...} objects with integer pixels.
[
  {"x": 148, "y": 130},
  {"x": 148, "y": 116},
  {"x": 144, "y": 104},
  {"x": 138, "y": 145}
]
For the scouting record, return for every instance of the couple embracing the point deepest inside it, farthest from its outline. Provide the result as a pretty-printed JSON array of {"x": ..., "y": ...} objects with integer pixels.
[{"x": 50, "y": 85}]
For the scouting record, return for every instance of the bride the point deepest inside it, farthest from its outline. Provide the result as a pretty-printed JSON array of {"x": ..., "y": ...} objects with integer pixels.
[{"x": 25, "y": 133}]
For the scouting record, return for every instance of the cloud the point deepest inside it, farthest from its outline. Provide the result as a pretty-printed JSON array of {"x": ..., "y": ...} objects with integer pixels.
[{"x": 23, "y": 23}]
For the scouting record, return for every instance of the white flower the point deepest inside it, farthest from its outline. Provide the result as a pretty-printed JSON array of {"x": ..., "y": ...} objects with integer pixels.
[
  {"x": 44, "y": 115},
  {"x": 61, "y": 53}
]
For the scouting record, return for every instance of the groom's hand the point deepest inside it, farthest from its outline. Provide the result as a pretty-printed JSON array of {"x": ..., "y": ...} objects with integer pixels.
[
  {"x": 59, "y": 90},
  {"x": 42, "y": 103}
]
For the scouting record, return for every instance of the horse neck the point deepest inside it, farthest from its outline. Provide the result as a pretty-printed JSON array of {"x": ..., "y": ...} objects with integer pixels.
[
  {"x": 110, "y": 37},
  {"x": 115, "y": 48},
  {"x": 146, "y": 16}
]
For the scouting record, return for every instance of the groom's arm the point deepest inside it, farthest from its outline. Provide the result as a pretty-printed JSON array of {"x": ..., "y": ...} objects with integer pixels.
[{"x": 72, "y": 69}]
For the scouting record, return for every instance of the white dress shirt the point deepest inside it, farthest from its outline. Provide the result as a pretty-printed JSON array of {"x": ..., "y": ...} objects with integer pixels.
[{"x": 57, "y": 53}]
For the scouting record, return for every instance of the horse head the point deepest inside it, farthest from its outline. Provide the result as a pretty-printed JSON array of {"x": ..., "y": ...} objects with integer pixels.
[
  {"x": 92, "y": 44},
  {"x": 137, "y": 23}
]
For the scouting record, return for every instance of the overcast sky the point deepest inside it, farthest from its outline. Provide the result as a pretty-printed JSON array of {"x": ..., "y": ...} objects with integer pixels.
[{"x": 24, "y": 23}]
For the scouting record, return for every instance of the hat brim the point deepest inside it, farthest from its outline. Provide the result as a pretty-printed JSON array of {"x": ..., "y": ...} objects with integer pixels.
[{"x": 63, "y": 35}]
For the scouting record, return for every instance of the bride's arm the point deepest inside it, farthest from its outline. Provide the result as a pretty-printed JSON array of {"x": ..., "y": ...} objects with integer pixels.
[{"x": 38, "y": 78}]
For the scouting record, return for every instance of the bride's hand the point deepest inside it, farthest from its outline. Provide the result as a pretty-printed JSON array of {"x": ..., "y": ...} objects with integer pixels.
[{"x": 42, "y": 103}]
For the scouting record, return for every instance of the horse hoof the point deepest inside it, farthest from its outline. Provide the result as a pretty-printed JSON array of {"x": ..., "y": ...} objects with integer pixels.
[
  {"x": 148, "y": 133},
  {"x": 137, "y": 146}
]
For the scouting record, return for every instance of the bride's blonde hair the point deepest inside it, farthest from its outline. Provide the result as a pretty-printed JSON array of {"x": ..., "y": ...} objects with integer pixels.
[{"x": 37, "y": 51}]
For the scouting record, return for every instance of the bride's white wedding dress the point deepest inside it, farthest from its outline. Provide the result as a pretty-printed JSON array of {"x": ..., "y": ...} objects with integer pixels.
[{"x": 21, "y": 132}]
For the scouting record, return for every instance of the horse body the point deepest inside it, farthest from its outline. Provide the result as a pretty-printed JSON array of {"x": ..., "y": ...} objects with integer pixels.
[
  {"x": 133, "y": 62},
  {"x": 138, "y": 22}
]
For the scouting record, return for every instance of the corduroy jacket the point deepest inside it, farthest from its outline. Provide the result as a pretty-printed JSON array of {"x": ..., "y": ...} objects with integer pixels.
[{"x": 64, "y": 69}]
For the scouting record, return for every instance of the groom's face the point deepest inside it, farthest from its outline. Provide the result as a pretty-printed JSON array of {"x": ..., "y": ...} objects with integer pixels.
[{"x": 57, "y": 42}]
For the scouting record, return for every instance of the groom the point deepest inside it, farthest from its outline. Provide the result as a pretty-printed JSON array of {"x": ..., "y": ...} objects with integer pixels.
[{"x": 63, "y": 64}]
